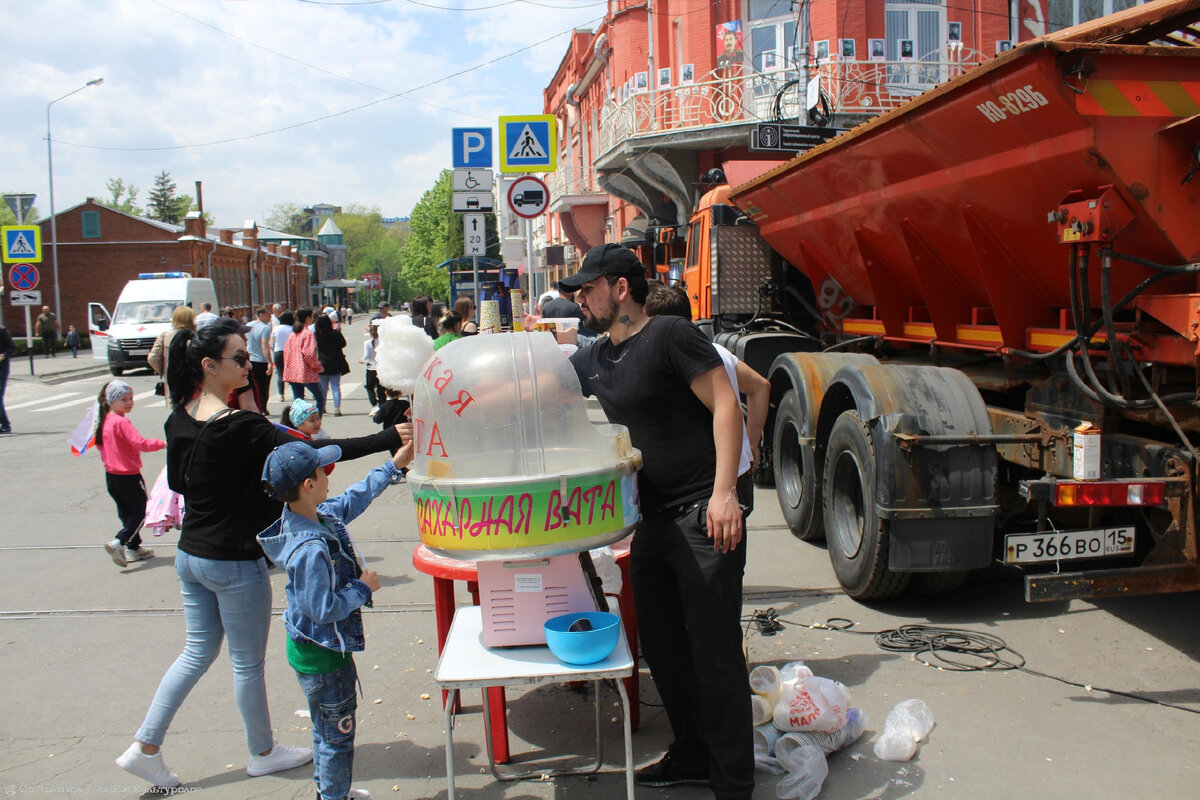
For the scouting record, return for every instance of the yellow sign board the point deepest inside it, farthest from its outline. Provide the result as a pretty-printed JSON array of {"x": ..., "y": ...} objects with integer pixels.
[
  {"x": 22, "y": 243},
  {"x": 529, "y": 144}
]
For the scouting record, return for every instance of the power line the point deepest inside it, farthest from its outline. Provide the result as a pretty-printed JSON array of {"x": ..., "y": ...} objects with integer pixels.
[{"x": 324, "y": 117}]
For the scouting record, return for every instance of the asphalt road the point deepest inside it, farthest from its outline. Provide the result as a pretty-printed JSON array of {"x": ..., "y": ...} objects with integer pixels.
[{"x": 83, "y": 645}]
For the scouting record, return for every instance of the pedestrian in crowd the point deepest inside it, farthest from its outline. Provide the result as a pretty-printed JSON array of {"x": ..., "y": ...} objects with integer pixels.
[
  {"x": 464, "y": 306},
  {"x": 563, "y": 307},
  {"x": 215, "y": 457},
  {"x": 385, "y": 311},
  {"x": 7, "y": 348},
  {"x": 393, "y": 410},
  {"x": 547, "y": 296},
  {"x": 47, "y": 328},
  {"x": 371, "y": 379},
  {"x": 334, "y": 317},
  {"x": 302, "y": 417},
  {"x": 206, "y": 316},
  {"x": 689, "y": 550},
  {"x": 673, "y": 301},
  {"x": 276, "y": 310},
  {"x": 418, "y": 309},
  {"x": 182, "y": 318},
  {"x": 433, "y": 322},
  {"x": 258, "y": 345},
  {"x": 331, "y": 352},
  {"x": 73, "y": 341},
  {"x": 349, "y": 316},
  {"x": 301, "y": 366},
  {"x": 328, "y": 584},
  {"x": 279, "y": 337},
  {"x": 451, "y": 330},
  {"x": 121, "y": 448}
]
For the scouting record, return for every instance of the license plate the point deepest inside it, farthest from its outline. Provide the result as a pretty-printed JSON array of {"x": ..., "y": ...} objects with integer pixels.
[
  {"x": 145, "y": 352},
  {"x": 1026, "y": 548}
]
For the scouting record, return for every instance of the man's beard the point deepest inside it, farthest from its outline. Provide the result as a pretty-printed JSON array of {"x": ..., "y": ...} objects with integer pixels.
[{"x": 598, "y": 323}]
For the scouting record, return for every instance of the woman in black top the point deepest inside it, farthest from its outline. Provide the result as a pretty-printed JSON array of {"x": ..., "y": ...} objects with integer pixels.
[
  {"x": 215, "y": 459},
  {"x": 331, "y": 345}
]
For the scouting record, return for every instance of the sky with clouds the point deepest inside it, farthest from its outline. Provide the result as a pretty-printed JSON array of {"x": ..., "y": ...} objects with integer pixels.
[{"x": 267, "y": 101}]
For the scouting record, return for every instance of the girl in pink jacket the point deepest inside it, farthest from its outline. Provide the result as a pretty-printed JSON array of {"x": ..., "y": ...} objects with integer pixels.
[{"x": 121, "y": 448}]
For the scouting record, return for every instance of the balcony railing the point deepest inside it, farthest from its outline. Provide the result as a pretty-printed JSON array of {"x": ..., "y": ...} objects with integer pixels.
[
  {"x": 724, "y": 98},
  {"x": 570, "y": 179}
]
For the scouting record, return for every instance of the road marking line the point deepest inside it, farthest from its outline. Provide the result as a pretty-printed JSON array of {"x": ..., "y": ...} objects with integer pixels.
[
  {"x": 84, "y": 401},
  {"x": 49, "y": 399}
]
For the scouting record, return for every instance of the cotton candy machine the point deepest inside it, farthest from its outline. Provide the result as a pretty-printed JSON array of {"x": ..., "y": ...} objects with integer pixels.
[
  {"x": 507, "y": 464},
  {"x": 509, "y": 471}
]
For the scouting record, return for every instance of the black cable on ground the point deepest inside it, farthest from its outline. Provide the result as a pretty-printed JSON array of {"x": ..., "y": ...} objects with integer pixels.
[{"x": 953, "y": 649}]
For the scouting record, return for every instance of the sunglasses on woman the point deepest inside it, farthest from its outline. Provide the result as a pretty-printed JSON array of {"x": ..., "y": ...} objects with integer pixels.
[{"x": 241, "y": 359}]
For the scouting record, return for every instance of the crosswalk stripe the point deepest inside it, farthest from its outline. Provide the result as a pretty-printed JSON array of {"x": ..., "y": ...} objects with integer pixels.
[
  {"x": 49, "y": 399},
  {"x": 84, "y": 401}
]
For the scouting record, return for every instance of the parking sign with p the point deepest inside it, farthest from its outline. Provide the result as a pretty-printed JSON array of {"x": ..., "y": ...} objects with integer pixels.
[{"x": 473, "y": 147}]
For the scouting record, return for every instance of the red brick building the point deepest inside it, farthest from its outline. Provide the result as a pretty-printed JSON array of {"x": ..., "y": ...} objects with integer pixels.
[{"x": 100, "y": 249}]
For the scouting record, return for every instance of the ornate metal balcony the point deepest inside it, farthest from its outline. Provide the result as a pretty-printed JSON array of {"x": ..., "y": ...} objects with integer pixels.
[{"x": 738, "y": 96}]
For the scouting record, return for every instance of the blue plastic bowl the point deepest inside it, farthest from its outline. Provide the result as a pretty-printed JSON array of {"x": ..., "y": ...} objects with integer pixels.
[{"x": 583, "y": 647}]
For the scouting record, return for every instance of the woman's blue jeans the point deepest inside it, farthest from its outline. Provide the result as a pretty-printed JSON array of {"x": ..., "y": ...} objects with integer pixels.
[
  {"x": 332, "y": 382},
  {"x": 331, "y": 704},
  {"x": 220, "y": 598}
]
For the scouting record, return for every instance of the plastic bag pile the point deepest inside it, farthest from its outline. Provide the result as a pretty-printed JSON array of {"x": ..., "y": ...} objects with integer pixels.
[{"x": 799, "y": 719}]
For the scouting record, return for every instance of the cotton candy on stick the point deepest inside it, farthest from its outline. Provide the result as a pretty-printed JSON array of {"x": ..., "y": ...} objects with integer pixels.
[{"x": 402, "y": 352}]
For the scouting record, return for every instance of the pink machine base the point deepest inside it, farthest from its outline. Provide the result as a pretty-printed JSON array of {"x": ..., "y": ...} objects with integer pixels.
[{"x": 517, "y": 597}]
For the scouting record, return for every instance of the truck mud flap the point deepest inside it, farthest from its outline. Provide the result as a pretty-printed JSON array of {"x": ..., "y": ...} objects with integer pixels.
[{"x": 934, "y": 485}]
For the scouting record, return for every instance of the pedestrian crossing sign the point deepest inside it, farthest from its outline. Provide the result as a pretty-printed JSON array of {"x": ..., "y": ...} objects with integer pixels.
[
  {"x": 529, "y": 144},
  {"x": 22, "y": 243}
]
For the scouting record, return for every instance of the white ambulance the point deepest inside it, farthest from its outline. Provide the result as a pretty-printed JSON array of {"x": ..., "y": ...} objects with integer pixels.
[{"x": 143, "y": 311}]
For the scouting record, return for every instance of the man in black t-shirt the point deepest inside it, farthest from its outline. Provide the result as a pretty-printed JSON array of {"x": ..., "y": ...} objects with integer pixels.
[{"x": 661, "y": 378}]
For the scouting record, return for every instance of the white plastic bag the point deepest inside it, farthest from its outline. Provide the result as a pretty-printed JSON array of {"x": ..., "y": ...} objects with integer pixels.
[
  {"x": 607, "y": 570},
  {"x": 812, "y": 704},
  {"x": 908, "y": 723},
  {"x": 806, "y": 768}
]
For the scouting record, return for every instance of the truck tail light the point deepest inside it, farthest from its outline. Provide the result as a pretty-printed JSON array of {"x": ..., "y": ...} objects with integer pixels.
[{"x": 1110, "y": 493}]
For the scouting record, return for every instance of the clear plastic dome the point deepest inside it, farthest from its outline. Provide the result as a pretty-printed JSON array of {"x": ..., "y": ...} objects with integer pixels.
[{"x": 507, "y": 463}]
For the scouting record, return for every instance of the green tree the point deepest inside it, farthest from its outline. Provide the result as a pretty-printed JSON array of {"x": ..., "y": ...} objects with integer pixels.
[
  {"x": 165, "y": 205},
  {"x": 122, "y": 196},
  {"x": 371, "y": 247},
  {"x": 436, "y": 235},
  {"x": 289, "y": 218}
]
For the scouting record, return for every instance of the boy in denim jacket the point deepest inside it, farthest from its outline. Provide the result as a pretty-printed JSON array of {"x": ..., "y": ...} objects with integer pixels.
[{"x": 327, "y": 586}]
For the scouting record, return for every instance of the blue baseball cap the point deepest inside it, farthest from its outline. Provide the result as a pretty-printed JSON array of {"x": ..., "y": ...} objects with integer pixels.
[{"x": 290, "y": 464}]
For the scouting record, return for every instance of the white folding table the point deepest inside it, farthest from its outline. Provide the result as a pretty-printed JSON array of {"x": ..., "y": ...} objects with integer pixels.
[{"x": 466, "y": 664}]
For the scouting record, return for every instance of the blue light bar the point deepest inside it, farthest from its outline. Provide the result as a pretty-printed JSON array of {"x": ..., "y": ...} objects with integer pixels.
[{"x": 144, "y": 276}]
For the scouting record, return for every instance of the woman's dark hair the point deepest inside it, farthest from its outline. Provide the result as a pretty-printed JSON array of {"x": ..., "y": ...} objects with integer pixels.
[
  {"x": 419, "y": 307},
  {"x": 324, "y": 327},
  {"x": 287, "y": 318},
  {"x": 451, "y": 321},
  {"x": 102, "y": 399},
  {"x": 185, "y": 372},
  {"x": 303, "y": 315}
]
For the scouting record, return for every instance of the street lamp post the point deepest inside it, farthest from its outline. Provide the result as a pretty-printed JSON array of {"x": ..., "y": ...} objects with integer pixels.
[{"x": 53, "y": 222}]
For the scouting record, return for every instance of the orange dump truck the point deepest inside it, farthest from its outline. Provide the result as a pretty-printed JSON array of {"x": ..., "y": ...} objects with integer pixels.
[{"x": 979, "y": 316}]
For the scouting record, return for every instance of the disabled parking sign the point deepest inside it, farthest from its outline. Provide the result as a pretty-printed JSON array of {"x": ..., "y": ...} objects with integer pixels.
[{"x": 529, "y": 144}]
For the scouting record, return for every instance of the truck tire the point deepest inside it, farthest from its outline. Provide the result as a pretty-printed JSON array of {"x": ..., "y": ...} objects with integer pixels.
[
  {"x": 857, "y": 538},
  {"x": 117, "y": 371},
  {"x": 797, "y": 473}
]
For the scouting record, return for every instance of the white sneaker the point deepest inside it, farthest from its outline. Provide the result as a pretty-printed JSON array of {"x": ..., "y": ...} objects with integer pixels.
[
  {"x": 150, "y": 768},
  {"x": 117, "y": 551},
  {"x": 358, "y": 794},
  {"x": 141, "y": 554},
  {"x": 282, "y": 757}
]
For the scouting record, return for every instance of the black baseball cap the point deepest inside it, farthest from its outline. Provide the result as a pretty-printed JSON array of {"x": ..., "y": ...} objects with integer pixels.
[{"x": 601, "y": 260}]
